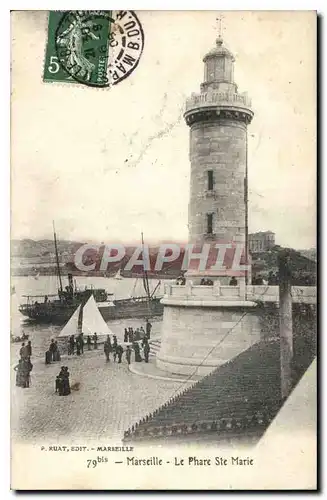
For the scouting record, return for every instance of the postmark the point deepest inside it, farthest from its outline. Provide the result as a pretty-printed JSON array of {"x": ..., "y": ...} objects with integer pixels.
[{"x": 94, "y": 48}]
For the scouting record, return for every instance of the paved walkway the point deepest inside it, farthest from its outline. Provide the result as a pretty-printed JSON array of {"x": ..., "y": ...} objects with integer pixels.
[{"x": 110, "y": 399}]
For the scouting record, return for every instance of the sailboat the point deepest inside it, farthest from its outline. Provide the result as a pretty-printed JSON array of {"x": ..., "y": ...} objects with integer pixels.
[
  {"x": 146, "y": 306},
  {"x": 118, "y": 275},
  {"x": 87, "y": 319}
]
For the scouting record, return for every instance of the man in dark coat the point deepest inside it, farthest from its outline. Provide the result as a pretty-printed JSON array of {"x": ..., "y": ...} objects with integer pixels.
[
  {"x": 128, "y": 354},
  {"x": 29, "y": 348},
  {"x": 81, "y": 342},
  {"x": 119, "y": 351},
  {"x": 126, "y": 335},
  {"x": 146, "y": 351},
  {"x": 52, "y": 349},
  {"x": 107, "y": 349},
  {"x": 148, "y": 328},
  {"x": 48, "y": 357},
  {"x": 71, "y": 349},
  {"x": 95, "y": 340}
]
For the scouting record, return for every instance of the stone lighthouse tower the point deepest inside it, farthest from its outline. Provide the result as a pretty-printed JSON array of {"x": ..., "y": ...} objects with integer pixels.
[
  {"x": 206, "y": 324},
  {"x": 218, "y": 117}
]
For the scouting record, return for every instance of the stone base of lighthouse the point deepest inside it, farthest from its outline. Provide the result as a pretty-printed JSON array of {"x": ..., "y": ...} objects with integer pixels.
[{"x": 204, "y": 327}]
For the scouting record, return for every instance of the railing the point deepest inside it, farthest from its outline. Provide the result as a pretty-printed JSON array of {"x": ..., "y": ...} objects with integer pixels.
[
  {"x": 212, "y": 98},
  {"x": 263, "y": 293}
]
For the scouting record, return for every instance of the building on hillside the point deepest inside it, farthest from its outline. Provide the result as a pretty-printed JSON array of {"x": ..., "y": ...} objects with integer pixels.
[{"x": 261, "y": 241}]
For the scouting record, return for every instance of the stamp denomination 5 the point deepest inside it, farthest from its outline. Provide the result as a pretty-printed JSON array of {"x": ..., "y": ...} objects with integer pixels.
[{"x": 94, "y": 48}]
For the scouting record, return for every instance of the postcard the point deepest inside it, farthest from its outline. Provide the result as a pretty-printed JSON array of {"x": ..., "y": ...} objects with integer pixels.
[{"x": 163, "y": 250}]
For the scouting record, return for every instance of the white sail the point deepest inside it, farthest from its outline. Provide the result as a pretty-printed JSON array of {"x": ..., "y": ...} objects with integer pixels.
[
  {"x": 93, "y": 321},
  {"x": 71, "y": 327},
  {"x": 118, "y": 275}
]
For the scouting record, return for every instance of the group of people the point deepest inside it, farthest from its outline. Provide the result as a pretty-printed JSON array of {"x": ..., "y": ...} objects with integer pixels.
[
  {"x": 114, "y": 348},
  {"x": 117, "y": 350},
  {"x": 53, "y": 353},
  {"x": 131, "y": 335},
  {"x": 24, "y": 367},
  {"x": 137, "y": 351},
  {"x": 62, "y": 382},
  {"x": 79, "y": 342}
]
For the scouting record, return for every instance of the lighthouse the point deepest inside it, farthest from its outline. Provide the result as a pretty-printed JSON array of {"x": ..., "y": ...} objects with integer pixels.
[
  {"x": 205, "y": 325},
  {"x": 218, "y": 117}
]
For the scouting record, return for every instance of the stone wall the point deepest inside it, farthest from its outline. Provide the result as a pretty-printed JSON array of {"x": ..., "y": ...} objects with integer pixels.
[
  {"x": 189, "y": 334},
  {"x": 220, "y": 146}
]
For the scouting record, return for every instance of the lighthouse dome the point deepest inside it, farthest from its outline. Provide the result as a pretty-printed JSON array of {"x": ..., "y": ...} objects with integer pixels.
[{"x": 219, "y": 51}]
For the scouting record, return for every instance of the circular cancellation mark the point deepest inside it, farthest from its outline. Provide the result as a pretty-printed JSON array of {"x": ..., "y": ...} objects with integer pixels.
[{"x": 99, "y": 48}]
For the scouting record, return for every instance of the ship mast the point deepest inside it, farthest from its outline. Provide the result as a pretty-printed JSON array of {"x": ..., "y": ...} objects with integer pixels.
[
  {"x": 145, "y": 275},
  {"x": 57, "y": 257}
]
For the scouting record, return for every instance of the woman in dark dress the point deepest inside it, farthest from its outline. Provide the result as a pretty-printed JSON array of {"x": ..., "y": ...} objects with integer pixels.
[
  {"x": 19, "y": 373},
  {"x": 137, "y": 352},
  {"x": 65, "y": 382}
]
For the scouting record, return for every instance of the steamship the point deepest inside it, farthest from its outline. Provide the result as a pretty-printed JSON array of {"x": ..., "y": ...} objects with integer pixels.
[{"x": 57, "y": 309}]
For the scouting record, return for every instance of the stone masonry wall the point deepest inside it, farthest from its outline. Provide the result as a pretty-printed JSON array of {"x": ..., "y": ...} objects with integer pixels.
[
  {"x": 190, "y": 333},
  {"x": 220, "y": 146}
]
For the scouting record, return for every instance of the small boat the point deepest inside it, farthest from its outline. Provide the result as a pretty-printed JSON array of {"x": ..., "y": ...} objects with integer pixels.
[
  {"x": 16, "y": 338},
  {"x": 86, "y": 319},
  {"x": 118, "y": 275}
]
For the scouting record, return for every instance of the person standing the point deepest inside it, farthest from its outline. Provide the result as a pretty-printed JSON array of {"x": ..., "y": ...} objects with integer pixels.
[
  {"x": 128, "y": 354},
  {"x": 19, "y": 373},
  {"x": 71, "y": 345},
  {"x": 126, "y": 335},
  {"x": 23, "y": 351},
  {"x": 107, "y": 349},
  {"x": 136, "y": 347},
  {"x": 48, "y": 357},
  {"x": 56, "y": 352},
  {"x": 29, "y": 348},
  {"x": 66, "y": 385},
  {"x": 88, "y": 341},
  {"x": 119, "y": 352},
  {"x": 146, "y": 351},
  {"x": 81, "y": 343},
  {"x": 95, "y": 340},
  {"x": 114, "y": 346},
  {"x": 148, "y": 328},
  {"x": 27, "y": 368},
  {"x": 52, "y": 349}
]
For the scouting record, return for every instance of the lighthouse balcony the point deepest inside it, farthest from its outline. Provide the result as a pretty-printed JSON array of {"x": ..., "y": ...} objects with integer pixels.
[{"x": 209, "y": 99}]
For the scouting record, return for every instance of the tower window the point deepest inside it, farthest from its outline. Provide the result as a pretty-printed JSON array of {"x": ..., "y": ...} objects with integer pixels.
[
  {"x": 209, "y": 223},
  {"x": 210, "y": 180}
]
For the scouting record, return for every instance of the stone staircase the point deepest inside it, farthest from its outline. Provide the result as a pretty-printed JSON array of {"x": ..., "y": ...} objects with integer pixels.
[{"x": 154, "y": 347}]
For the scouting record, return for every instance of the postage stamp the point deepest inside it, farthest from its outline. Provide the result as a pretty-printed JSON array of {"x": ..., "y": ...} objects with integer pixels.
[
  {"x": 94, "y": 48},
  {"x": 163, "y": 331}
]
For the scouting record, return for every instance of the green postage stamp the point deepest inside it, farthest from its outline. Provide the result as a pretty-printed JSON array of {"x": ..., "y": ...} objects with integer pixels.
[{"x": 94, "y": 48}]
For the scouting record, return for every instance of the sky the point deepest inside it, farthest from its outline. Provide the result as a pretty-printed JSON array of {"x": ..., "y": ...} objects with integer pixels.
[{"x": 106, "y": 164}]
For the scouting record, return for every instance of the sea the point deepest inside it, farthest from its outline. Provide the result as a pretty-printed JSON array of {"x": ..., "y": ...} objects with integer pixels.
[{"x": 40, "y": 335}]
